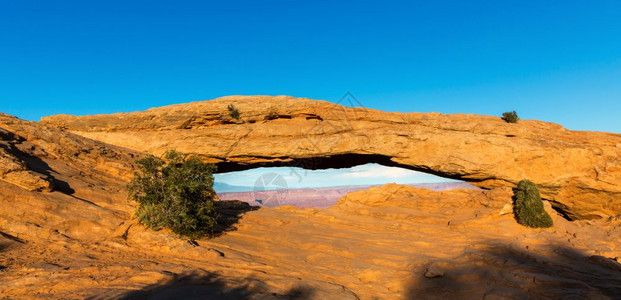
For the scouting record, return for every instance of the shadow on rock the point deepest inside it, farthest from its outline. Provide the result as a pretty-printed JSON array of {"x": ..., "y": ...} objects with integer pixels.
[
  {"x": 4, "y": 245},
  {"x": 502, "y": 272},
  {"x": 7, "y": 240},
  {"x": 229, "y": 213},
  {"x": 38, "y": 165},
  {"x": 204, "y": 285}
]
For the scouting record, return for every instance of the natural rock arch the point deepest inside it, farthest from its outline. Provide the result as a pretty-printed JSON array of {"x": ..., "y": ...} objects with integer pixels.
[{"x": 578, "y": 171}]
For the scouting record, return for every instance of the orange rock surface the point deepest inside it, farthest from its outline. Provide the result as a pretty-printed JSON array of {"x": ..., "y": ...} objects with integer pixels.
[
  {"x": 578, "y": 171},
  {"x": 390, "y": 242},
  {"x": 66, "y": 230}
]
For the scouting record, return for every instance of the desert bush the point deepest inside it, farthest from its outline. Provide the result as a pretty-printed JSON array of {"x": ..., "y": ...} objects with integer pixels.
[
  {"x": 233, "y": 112},
  {"x": 510, "y": 116},
  {"x": 528, "y": 207},
  {"x": 175, "y": 192}
]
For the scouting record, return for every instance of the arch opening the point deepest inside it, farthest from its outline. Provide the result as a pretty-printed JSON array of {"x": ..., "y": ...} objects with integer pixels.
[
  {"x": 318, "y": 184},
  {"x": 338, "y": 161}
]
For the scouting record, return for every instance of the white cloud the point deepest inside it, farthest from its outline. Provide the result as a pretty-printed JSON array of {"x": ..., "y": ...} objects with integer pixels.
[
  {"x": 377, "y": 171},
  {"x": 358, "y": 175}
]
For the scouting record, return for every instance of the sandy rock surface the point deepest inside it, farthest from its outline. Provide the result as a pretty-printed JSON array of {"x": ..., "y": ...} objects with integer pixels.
[
  {"x": 66, "y": 230},
  {"x": 390, "y": 242},
  {"x": 55, "y": 184},
  {"x": 580, "y": 172}
]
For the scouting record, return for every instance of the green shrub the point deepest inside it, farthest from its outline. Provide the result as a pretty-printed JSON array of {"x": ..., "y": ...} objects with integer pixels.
[
  {"x": 510, "y": 116},
  {"x": 528, "y": 207},
  {"x": 176, "y": 193},
  {"x": 233, "y": 112}
]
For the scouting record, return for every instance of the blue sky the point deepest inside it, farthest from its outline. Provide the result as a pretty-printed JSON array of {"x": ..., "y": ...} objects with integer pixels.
[{"x": 557, "y": 61}]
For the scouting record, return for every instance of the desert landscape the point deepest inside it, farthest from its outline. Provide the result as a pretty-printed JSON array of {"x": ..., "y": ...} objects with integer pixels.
[
  {"x": 313, "y": 150},
  {"x": 68, "y": 232},
  {"x": 323, "y": 197}
]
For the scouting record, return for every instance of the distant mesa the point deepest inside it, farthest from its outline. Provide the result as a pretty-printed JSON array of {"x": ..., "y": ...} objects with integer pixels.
[
  {"x": 323, "y": 197},
  {"x": 221, "y": 187}
]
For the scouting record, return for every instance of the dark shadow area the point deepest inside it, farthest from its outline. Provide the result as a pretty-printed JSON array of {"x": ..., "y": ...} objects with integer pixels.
[
  {"x": 36, "y": 164},
  {"x": 12, "y": 238},
  {"x": 229, "y": 213},
  {"x": 7, "y": 241},
  {"x": 4, "y": 245},
  {"x": 501, "y": 272},
  {"x": 278, "y": 116},
  {"x": 339, "y": 161},
  {"x": 560, "y": 209},
  {"x": 204, "y": 285},
  {"x": 6, "y": 135}
]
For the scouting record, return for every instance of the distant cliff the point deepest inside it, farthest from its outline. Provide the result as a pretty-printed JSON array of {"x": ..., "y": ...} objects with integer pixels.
[{"x": 319, "y": 197}]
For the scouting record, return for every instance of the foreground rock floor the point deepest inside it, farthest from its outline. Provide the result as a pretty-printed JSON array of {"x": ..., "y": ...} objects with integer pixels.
[{"x": 389, "y": 242}]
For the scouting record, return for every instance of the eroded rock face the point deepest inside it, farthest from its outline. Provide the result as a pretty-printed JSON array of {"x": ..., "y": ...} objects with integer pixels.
[
  {"x": 56, "y": 185},
  {"x": 580, "y": 172},
  {"x": 14, "y": 170},
  {"x": 388, "y": 242}
]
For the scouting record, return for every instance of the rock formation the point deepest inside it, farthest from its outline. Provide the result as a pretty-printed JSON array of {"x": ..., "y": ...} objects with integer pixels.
[
  {"x": 578, "y": 171},
  {"x": 66, "y": 232},
  {"x": 389, "y": 242},
  {"x": 57, "y": 185}
]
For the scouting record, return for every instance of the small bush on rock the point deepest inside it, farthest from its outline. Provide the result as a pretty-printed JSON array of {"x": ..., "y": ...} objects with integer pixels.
[
  {"x": 528, "y": 207},
  {"x": 510, "y": 116},
  {"x": 176, "y": 193},
  {"x": 233, "y": 112}
]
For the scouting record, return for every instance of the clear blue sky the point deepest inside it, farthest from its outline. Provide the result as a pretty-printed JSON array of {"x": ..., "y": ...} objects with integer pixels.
[{"x": 557, "y": 61}]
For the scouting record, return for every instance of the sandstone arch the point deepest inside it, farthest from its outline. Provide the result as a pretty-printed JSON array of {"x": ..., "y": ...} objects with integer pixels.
[{"x": 578, "y": 171}]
